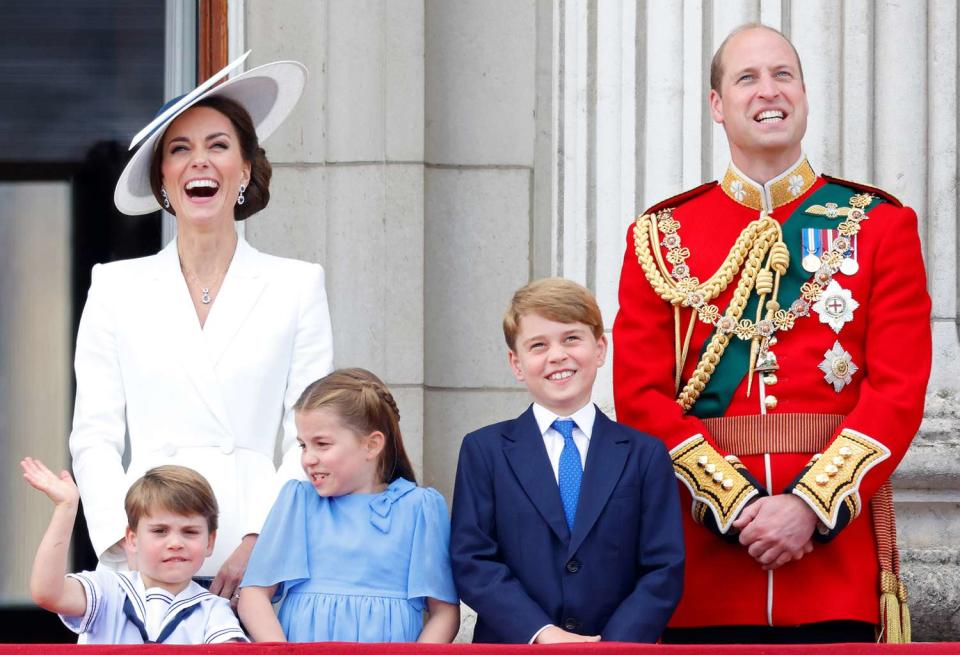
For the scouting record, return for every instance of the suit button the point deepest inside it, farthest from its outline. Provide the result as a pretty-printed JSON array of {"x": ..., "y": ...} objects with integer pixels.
[
  {"x": 226, "y": 447},
  {"x": 571, "y": 624},
  {"x": 573, "y": 566},
  {"x": 169, "y": 449}
]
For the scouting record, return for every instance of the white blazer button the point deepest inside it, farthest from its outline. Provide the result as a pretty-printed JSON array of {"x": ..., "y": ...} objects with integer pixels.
[{"x": 226, "y": 447}]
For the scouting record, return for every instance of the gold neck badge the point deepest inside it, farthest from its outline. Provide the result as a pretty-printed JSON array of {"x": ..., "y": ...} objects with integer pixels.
[{"x": 786, "y": 187}]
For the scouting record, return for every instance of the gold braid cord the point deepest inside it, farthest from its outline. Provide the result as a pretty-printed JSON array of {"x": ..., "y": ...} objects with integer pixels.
[
  {"x": 760, "y": 257},
  {"x": 746, "y": 258},
  {"x": 894, "y": 612}
]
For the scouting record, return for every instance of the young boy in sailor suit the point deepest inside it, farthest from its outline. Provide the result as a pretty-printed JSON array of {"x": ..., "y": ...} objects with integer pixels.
[{"x": 172, "y": 523}]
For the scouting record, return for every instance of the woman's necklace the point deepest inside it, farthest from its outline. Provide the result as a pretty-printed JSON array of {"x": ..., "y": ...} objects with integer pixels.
[{"x": 205, "y": 289}]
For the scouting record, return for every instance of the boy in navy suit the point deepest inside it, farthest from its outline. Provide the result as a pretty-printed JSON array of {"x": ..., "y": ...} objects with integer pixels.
[{"x": 566, "y": 525}]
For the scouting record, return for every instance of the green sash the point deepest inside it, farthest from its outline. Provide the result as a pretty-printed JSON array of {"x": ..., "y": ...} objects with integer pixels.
[{"x": 735, "y": 362}]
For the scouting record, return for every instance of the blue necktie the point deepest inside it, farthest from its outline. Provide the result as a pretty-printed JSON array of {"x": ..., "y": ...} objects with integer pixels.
[{"x": 570, "y": 470}]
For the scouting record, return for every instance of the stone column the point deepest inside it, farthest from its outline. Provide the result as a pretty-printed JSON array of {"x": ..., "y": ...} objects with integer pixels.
[
  {"x": 481, "y": 81},
  {"x": 347, "y": 190}
]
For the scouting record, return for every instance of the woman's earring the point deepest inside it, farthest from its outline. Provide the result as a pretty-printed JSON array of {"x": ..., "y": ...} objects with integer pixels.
[
  {"x": 240, "y": 198},
  {"x": 166, "y": 200}
]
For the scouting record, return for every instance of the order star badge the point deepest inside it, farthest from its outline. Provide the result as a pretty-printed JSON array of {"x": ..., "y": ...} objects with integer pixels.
[
  {"x": 838, "y": 367},
  {"x": 835, "y": 306}
]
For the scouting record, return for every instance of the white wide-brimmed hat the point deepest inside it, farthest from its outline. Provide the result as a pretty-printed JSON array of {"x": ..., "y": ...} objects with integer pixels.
[{"x": 268, "y": 93}]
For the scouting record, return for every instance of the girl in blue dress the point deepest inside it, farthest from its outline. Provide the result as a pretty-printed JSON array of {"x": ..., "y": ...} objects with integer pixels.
[{"x": 357, "y": 551}]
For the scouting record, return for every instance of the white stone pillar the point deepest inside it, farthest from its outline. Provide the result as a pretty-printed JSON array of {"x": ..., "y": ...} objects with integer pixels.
[
  {"x": 348, "y": 178},
  {"x": 481, "y": 81}
]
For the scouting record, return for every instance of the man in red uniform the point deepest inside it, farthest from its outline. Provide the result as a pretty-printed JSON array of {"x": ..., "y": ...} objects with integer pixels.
[{"x": 774, "y": 331}]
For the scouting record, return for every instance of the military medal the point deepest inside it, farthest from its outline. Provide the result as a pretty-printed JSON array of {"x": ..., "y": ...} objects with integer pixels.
[
  {"x": 848, "y": 248},
  {"x": 849, "y": 266},
  {"x": 816, "y": 242},
  {"x": 838, "y": 367},
  {"x": 812, "y": 249},
  {"x": 810, "y": 263},
  {"x": 835, "y": 307}
]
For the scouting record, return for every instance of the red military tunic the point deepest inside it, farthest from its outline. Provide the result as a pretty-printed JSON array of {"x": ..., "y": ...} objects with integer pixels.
[{"x": 877, "y": 412}]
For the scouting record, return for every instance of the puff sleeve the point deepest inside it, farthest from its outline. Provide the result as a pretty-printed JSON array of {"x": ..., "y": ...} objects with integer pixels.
[
  {"x": 280, "y": 554},
  {"x": 430, "y": 574}
]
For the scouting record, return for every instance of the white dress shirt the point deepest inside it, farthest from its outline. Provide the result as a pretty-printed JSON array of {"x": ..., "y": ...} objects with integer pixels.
[{"x": 553, "y": 440}]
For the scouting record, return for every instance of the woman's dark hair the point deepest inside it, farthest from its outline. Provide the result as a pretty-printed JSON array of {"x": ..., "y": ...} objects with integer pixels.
[
  {"x": 364, "y": 404},
  {"x": 257, "y": 193}
]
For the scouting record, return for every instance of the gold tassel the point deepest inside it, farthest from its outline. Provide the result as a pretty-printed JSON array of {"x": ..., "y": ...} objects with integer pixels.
[
  {"x": 904, "y": 613},
  {"x": 890, "y": 621}
]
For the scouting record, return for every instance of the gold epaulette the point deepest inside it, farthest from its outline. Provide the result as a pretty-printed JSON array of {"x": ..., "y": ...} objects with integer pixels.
[
  {"x": 714, "y": 481},
  {"x": 834, "y": 477}
]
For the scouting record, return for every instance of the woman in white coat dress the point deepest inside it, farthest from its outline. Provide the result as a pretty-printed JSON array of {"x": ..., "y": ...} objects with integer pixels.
[{"x": 199, "y": 352}]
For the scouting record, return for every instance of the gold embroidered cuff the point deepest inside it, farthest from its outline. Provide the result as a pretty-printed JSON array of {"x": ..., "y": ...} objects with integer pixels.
[
  {"x": 834, "y": 478},
  {"x": 713, "y": 481}
]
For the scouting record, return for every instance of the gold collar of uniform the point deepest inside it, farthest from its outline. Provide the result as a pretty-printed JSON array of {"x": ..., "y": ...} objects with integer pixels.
[{"x": 786, "y": 187}]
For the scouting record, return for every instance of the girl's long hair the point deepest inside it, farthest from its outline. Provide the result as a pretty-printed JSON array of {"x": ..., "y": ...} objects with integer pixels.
[{"x": 364, "y": 404}]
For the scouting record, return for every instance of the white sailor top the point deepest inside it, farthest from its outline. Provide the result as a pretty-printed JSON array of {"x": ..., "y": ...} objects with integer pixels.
[{"x": 120, "y": 611}]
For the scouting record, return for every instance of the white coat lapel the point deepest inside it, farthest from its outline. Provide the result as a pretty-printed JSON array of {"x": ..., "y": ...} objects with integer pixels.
[
  {"x": 238, "y": 294},
  {"x": 185, "y": 332}
]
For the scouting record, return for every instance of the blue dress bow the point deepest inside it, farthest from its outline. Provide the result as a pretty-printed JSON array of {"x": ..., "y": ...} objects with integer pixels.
[{"x": 382, "y": 503}]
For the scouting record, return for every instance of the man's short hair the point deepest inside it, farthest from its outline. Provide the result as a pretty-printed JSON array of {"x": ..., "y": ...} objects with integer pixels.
[
  {"x": 556, "y": 299},
  {"x": 176, "y": 489},
  {"x": 716, "y": 64}
]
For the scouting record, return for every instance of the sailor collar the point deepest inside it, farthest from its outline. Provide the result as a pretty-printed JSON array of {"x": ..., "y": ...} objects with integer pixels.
[
  {"x": 786, "y": 187},
  {"x": 180, "y": 606}
]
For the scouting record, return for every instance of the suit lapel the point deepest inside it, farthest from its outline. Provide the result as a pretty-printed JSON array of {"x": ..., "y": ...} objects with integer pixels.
[
  {"x": 179, "y": 318},
  {"x": 527, "y": 456},
  {"x": 606, "y": 458},
  {"x": 238, "y": 294}
]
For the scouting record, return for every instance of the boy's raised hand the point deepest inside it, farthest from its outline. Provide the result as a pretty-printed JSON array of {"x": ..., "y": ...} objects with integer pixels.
[
  {"x": 48, "y": 586},
  {"x": 61, "y": 489}
]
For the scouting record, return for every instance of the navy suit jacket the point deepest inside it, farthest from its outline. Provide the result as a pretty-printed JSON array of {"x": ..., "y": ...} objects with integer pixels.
[{"x": 619, "y": 574}]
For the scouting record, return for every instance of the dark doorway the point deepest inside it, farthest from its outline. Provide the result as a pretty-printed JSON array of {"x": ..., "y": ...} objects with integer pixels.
[{"x": 79, "y": 79}]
